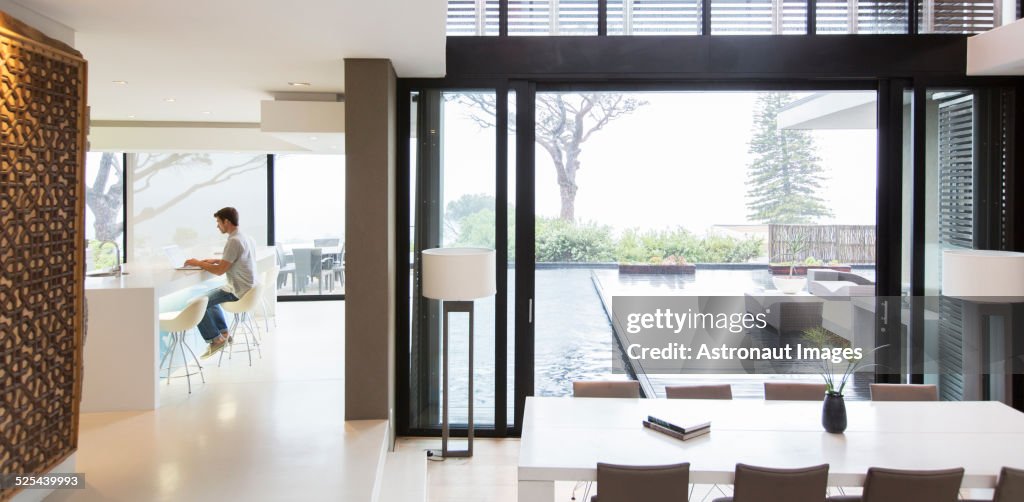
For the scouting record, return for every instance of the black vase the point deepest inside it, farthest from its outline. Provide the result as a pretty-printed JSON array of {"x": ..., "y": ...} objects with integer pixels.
[{"x": 833, "y": 413}]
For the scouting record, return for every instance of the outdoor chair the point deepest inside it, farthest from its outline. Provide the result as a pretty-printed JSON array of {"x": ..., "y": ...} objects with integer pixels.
[{"x": 308, "y": 266}]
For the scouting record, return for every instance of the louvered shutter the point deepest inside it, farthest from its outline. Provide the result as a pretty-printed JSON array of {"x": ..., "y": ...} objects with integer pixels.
[{"x": 956, "y": 229}]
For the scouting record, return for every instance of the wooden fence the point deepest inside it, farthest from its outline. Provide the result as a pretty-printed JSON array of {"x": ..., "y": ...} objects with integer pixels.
[{"x": 843, "y": 243}]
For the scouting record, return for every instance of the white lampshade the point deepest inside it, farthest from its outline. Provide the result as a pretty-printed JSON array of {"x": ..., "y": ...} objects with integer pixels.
[
  {"x": 983, "y": 275},
  {"x": 458, "y": 273}
]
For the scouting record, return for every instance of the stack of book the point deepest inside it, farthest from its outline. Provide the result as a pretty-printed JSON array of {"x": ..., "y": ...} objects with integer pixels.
[{"x": 677, "y": 431}]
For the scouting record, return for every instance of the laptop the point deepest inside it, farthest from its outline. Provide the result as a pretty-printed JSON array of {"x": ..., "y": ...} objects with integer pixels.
[{"x": 177, "y": 258}]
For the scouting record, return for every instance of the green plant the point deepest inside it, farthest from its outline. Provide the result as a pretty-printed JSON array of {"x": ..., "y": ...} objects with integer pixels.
[
  {"x": 794, "y": 247},
  {"x": 101, "y": 258},
  {"x": 560, "y": 241},
  {"x": 824, "y": 339},
  {"x": 810, "y": 260},
  {"x": 654, "y": 246}
]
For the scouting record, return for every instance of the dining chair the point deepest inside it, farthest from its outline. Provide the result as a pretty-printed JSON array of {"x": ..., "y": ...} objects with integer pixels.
[
  {"x": 284, "y": 268},
  {"x": 1010, "y": 487},
  {"x": 626, "y": 388},
  {"x": 308, "y": 266},
  {"x": 896, "y": 485},
  {"x": 633, "y": 483},
  {"x": 903, "y": 392},
  {"x": 716, "y": 391},
  {"x": 326, "y": 243},
  {"x": 794, "y": 391},
  {"x": 766, "y": 484}
]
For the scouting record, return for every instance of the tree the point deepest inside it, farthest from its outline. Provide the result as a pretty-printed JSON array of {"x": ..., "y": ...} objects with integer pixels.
[
  {"x": 786, "y": 173},
  {"x": 106, "y": 202},
  {"x": 564, "y": 122}
]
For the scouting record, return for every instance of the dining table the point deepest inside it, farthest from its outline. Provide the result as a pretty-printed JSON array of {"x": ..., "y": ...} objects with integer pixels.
[{"x": 563, "y": 439}]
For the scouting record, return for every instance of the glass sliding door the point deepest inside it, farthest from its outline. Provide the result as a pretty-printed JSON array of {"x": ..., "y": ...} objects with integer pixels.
[
  {"x": 702, "y": 195},
  {"x": 457, "y": 199}
]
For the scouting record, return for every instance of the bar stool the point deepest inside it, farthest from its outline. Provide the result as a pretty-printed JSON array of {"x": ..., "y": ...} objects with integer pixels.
[
  {"x": 269, "y": 276},
  {"x": 243, "y": 310},
  {"x": 177, "y": 324}
]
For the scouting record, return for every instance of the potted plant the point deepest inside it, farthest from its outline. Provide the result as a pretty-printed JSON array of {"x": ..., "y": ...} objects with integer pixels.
[
  {"x": 671, "y": 264},
  {"x": 833, "y": 410},
  {"x": 791, "y": 284}
]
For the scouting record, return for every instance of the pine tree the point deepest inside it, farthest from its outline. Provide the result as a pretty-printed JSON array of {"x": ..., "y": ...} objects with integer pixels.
[{"x": 786, "y": 174}]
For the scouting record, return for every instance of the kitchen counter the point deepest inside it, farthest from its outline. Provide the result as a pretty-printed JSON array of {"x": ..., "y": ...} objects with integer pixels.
[{"x": 123, "y": 339}]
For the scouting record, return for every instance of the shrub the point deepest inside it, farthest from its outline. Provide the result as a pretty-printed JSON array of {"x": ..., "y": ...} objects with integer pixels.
[
  {"x": 562, "y": 241},
  {"x": 636, "y": 246}
]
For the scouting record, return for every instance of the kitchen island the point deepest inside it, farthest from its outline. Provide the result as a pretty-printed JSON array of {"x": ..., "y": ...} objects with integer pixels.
[{"x": 123, "y": 339}]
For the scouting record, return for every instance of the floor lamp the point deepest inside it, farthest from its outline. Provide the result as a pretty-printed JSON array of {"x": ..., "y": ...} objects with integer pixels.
[
  {"x": 457, "y": 276},
  {"x": 989, "y": 283}
]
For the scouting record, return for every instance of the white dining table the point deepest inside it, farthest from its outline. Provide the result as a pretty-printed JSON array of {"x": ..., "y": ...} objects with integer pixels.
[{"x": 564, "y": 438}]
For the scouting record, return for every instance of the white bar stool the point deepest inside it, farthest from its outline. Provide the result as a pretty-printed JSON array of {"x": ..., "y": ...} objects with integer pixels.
[
  {"x": 177, "y": 324},
  {"x": 243, "y": 310},
  {"x": 269, "y": 277}
]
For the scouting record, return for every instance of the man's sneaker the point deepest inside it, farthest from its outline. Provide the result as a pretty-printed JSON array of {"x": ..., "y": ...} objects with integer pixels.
[{"x": 212, "y": 349}]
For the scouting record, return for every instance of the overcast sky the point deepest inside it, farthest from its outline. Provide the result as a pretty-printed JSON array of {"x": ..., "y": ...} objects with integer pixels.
[{"x": 680, "y": 160}]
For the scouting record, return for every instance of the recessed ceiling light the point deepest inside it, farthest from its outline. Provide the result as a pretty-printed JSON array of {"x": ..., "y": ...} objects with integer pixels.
[
  {"x": 168, "y": 100},
  {"x": 312, "y": 138},
  {"x": 120, "y": 82},
  {"x": 131, "y": 116},
  {"x": 299, "y": 84},
  {"x": 206, "y": 112}
]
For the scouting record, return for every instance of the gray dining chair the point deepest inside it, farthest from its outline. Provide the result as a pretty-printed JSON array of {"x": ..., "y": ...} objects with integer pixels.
[
  {"x": 626, "y": 388},
  {"x": 716, "y": 391},
  {"x": 325, "y": 243},
  {"x": 765, "y": 484},
  {"x": 794, "y": 391},
  {"x": 308, "y": 266},
  {"x": 636, "y": 483},
  {"x": 285, "y": 268},
  {"x": 903, "y": 392},
  {"x": 1010, "y": 487},
  {"x": 896, "y": 485}
]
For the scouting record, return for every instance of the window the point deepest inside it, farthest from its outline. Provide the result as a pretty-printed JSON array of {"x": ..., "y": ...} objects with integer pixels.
[
  {"x": 309, "y": 224},
  {"x": 176, "y": 194},
  {"x": 104, "y": 207}
]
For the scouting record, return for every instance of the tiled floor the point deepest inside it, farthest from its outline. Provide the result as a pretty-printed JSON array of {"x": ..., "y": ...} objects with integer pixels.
[{"x": 275, "y": 431}]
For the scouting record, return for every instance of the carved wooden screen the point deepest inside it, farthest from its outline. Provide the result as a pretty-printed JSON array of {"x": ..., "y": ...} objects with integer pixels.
[{"x": 42, "y": 162}]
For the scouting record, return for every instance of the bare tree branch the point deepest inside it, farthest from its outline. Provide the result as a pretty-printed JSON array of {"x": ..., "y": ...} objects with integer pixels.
[
  {"x": 221, "y": 177},
  {"x": 564, "y": 122}
]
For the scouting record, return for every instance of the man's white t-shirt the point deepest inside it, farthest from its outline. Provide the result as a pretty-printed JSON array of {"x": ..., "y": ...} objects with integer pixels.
[{"x": 241, "y": 252}]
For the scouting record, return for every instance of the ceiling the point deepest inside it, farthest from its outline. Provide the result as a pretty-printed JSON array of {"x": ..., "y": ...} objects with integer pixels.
[{"x": 217, "y": 59}]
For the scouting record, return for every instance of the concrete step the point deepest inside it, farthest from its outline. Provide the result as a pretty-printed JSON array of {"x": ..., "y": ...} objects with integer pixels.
[{"x": 405, "y": 475}]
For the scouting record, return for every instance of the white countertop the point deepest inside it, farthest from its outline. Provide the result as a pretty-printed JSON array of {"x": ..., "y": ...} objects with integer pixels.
[
  {"x": 164, "y": 279},
  {"x": 161, "y": 277}
]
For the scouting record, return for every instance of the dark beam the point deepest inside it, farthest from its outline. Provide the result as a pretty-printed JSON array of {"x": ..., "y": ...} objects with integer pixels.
[{"x": 679, "y": 57}]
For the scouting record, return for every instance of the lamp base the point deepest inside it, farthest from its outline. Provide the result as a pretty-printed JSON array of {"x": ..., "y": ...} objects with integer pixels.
[{"x": 447, "y": 308}]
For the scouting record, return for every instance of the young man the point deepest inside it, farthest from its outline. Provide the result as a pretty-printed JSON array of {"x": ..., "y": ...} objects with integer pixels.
[{"x": 239, "y": 263}]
